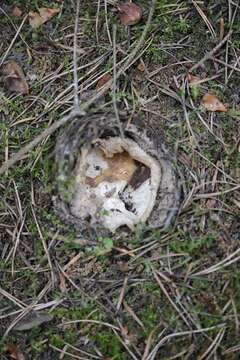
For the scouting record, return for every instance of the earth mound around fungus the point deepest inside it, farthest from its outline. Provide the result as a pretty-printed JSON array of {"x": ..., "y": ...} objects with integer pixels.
[{"x": 107, "y": 182}]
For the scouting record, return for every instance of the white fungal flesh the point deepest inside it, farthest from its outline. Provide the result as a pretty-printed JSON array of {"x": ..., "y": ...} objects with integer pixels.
[{"x": 113, "y": 202}]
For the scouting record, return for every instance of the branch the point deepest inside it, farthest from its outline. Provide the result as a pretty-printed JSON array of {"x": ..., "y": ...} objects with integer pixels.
[{"x": 212, "y": 52}]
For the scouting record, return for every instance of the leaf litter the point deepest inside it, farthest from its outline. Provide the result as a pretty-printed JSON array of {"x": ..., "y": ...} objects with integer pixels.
[
  {"x": 212, "y": 103},
  {"x": 36, "y": 19},
  {"x": 130, "y": 13},
  {"x": 14, "y": 78},
  {"x": 14, "y": 351},
  {"x": 16, "y": 11}
]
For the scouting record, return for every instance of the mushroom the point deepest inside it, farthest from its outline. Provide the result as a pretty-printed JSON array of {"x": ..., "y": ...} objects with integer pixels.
[{"x": 107, "y": 182}]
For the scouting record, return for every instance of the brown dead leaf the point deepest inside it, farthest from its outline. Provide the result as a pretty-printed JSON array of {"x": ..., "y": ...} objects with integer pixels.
[
  {"x": 102, "y": 81},
  {"x": 141, "y": 66},
  {"x": 14, "y": 79},
  {"x": 14, "y": 351},
  {"x": 130, "y": 13},
  {"x": 45, "y": 14},
  {"x": 62, "y": 283},
  {"x": 123, "y": 266},
  {"x": 129, "y": 337},
  {"x": 211, "y": 204},
  {"x": 193, "y": 80},
  {"x": 16, "y": 11},
  {"x": 211, "y": 103}
]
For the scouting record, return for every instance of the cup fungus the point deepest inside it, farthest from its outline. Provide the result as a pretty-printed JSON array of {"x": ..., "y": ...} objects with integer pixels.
[{"x": 107, "y": 182}]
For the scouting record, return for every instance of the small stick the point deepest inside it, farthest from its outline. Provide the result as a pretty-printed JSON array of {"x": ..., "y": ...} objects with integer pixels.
[
  {"x": 115, "y": 83},
  {"x": 212, "y": 52},
  {"x": 76, "y": 103},
  {"x": 221, "y": 28},
  {"x": 13, "y": 40}
]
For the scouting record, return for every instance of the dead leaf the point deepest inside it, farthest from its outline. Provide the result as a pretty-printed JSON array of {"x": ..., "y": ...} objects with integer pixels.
[
  {"x": 62, "y": 284},
  {"x": 14, "y": 79},
  {"x": 45, "y": 14},
  {"x": 123, "y": 266},
  {"x": 130, "y": 13},
  {"x": 141, "y": 67},
  {"x": 211, "y": 204},
  {"x": 16, "y": 11},
  {"x": 211, "y": 103},
  {"x": 129, "y": 337},
  {"x": 14, "y": 351},
  {"x": 102, "y": 81},
  {"x": 193, "y": 80}
]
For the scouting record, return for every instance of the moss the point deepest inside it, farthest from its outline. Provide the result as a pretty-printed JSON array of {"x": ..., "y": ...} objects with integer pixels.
[
  {"x": 56, "y": 340},
  {"x": 192, "y": 245},
  {"x": 78, "y": 313},
  {"x": 110, "y": 345},
  {"x": 149, "y": 317}
]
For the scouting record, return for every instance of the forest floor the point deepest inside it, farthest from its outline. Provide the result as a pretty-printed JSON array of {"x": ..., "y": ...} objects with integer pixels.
[{"x": 151, "y": 294}]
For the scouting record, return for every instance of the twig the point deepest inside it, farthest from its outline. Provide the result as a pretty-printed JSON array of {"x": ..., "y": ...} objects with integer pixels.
[
  {"x": 24, "y": 150},
  {"x": 106, "y": 21},
  {"x": 115, "y": 83},
  {"x": 233, "y": 67},
  {"x": 76, "y": 98},
  {"x": 89, "y": 321},
  {"x": 141, "y": 40},
  {"x": 162, "y": 287},
  {"x": 16, "y": 242},
  {"x": 53, "y": 278},
  {"x": 122, "y": 293},
  {"x": 205, "y": 19},
  {"x": 180, "y": 334},
  {"x": 217, "y": 193},
  {"x": 230, "y": 259},
  {"x": 212, "y": 52},
  {"x": 213, "y": 346},
  {"x": 13, "y": 40}
]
